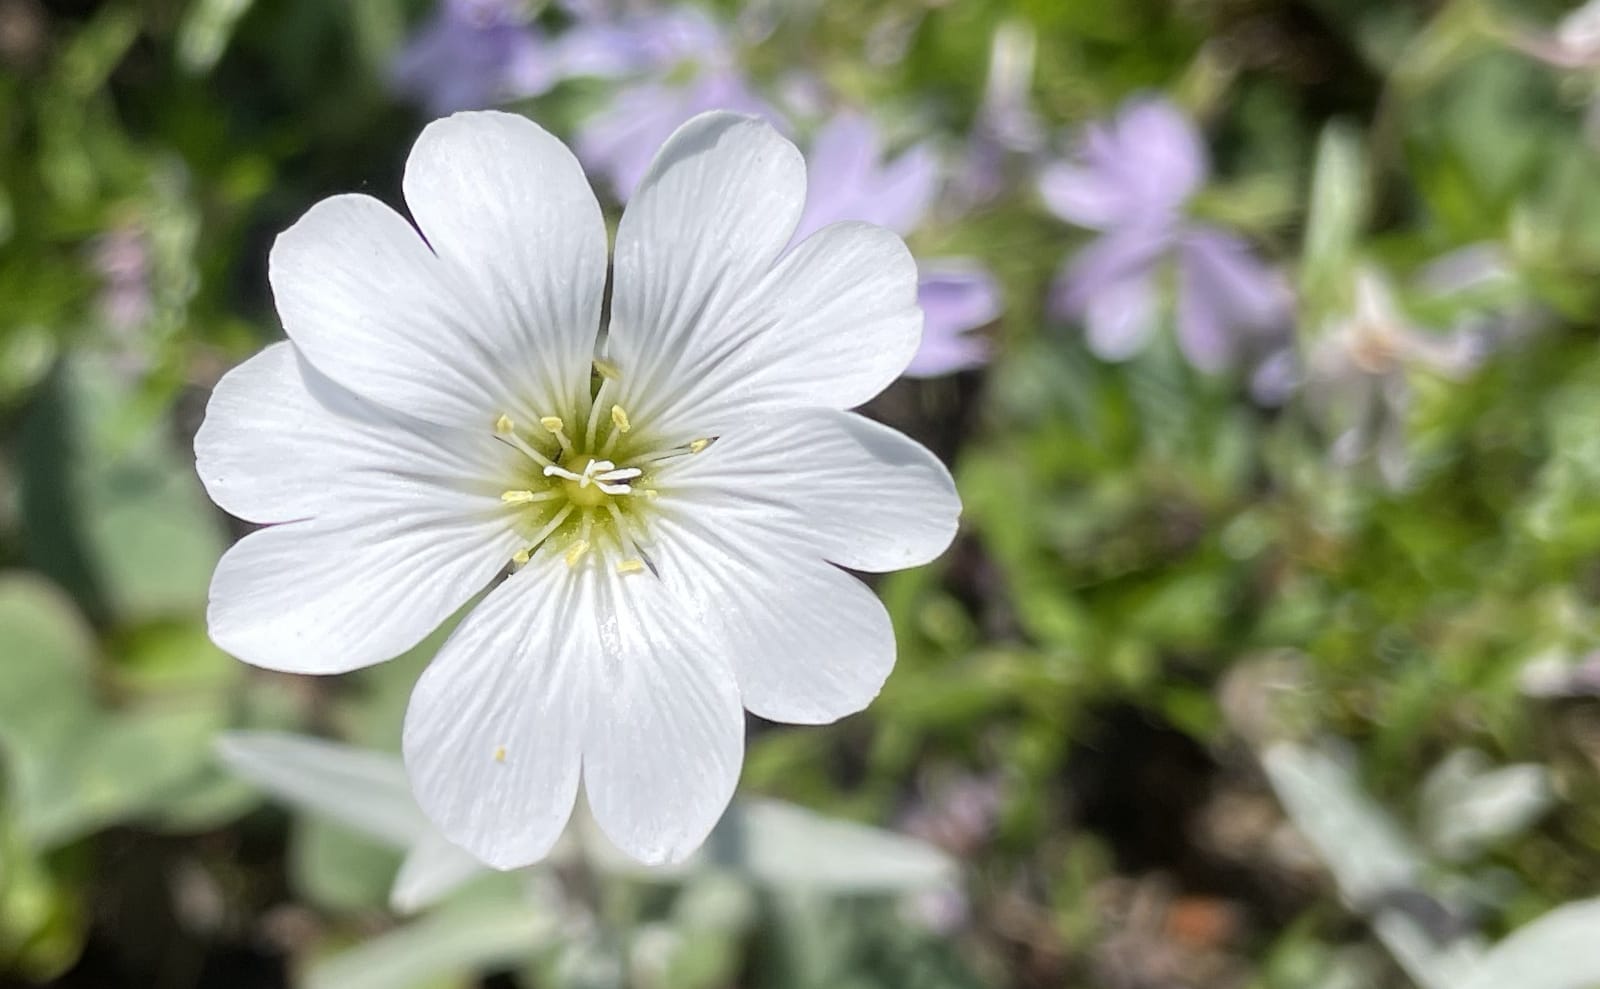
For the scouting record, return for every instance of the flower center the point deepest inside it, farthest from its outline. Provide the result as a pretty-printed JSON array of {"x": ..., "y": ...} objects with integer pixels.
[
  {"x": 587, "y": 490},
  {"x": 592, "y": 484}
]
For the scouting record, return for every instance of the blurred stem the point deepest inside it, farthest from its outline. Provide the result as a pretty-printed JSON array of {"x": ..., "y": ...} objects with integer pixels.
[{"x": 1456, "y": 31}]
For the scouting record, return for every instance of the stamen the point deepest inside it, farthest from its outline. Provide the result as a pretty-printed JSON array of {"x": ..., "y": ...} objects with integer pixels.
[
  {"x": 522, "y": 556},
  {"x": 672, "y": 453},
  {"x": 500, "y": 753},
  {"x": 630, "y": 551},
  {"x": 527, "y": 497},
  {"x": 619, "y": 419},
  {"x": 607, "y": 369},
  {"x": 557, "y": 428},
  {"x": 630, "y": 566},
  {"x": 506, "y": 429},
  {"x": 544, "y": 532},
  {"x": 575, "y": 552}
]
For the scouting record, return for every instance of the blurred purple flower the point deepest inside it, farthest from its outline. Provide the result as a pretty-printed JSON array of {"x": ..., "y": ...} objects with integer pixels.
[
  {"x": 620, "y": 142},
  {"x": 1131, "y": 179},
  {"x": 472, "y": 54},
  {"x": 612, "y": 43},
  {"x": 478, "y": 53},
  {"x": 956, "y": 295},
  {"x": 847, "y": 178},
  {"x": 121, "y": 257}
]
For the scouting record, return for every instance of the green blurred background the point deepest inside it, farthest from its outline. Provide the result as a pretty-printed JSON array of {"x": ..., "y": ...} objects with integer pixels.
[{"x": 1160, "y": 576}]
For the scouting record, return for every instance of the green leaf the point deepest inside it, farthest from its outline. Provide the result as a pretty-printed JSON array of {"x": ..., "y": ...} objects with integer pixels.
[
  {"x": 1339, "y": 193},
  {"x": 1559, "y": 950},
  {"x": 112, "y": 508},
  {"x": 46, "y": 699},
  {"x": 783, "y": 845},
  {"x": 459, "y": 940}
]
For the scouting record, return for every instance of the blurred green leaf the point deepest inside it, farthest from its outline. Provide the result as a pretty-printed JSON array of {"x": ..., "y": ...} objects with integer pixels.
[
  {"x": 443, "y": 948},
  {"x": 111, "y": 506}
]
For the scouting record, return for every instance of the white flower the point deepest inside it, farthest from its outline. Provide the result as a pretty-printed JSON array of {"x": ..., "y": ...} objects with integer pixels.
[{"x": 675, "y": 495}]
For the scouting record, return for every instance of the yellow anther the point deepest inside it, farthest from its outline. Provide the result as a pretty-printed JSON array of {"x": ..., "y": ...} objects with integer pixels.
[
  {"x": 558, "y": 429},
  {"x": 519, "y": 497},
  {"x": 521, "y": 557},
  {"x": 500, "y": 753},
  {"x": 607, "y": 369},
  {"x": 575, "y": 552},
  {"x": 630, "y": 566},
  {"x": 619, "y": 419},
  {"x": 648, "y": 492},
  {"x": 697, "y": 445},
  {"x": 504, "y": 426}
]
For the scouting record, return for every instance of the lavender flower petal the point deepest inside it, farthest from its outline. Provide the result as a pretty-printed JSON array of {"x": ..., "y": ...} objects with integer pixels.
[
  {"x": 1108, "y": 260},
  {"x": 612, "y": 48},
  {"x": 845, "y": 180},
  {"x": 1137, "y": 169},
  {"x": 621, "y": 142},
  {"x": 957, "y": 295},
  {"x": 1223, "y": 292},
  {"x": 1121, "y": 316},
  {"x": 472, "y": 54}
]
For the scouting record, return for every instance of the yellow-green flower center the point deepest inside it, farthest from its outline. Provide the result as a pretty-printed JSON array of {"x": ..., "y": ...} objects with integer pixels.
[{"x": 584, "y": 488}]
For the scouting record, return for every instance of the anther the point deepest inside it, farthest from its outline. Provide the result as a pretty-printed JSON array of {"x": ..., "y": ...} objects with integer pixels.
[
  {"x": 606, "y": 369},
  {"x": 526, "y": 497},
  {"x": 500, "y": 753},
  {"x": 575, "y": 552},
  {"x": 506, "y": 429},
  {"x": 630, "y": 566},
  {"x": 558, "y": 429},
  {"x": 696, "y": 446},
  {"x": 522, "y": 556},
  {"x": 619, "y": 419}
]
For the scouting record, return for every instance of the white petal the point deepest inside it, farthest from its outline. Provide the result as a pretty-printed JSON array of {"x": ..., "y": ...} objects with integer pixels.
[
  {"x": 859, "y": 493},
  {"x": 665, "y": 736},
  {"x": 360, "y": 789},
  {"x": 432, "y": 870},
  {"x": 831, "y": 326},
  {"x": 709, "y": 219},
  {"x": 508, "y": 211},
  {"x": 342, "y": 591},
  {"x": 281, "y": 442},
  {"x": 836, "y": 321},
  {"x": 369, "y": 305},
  {"x": 493, "y": 731},
  {"x": 809, "y": 643}
]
